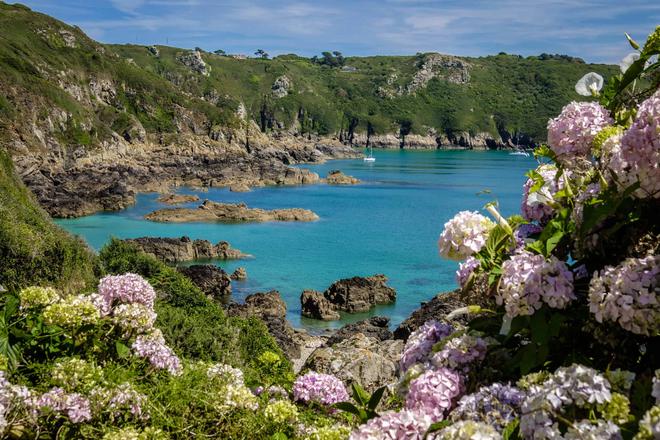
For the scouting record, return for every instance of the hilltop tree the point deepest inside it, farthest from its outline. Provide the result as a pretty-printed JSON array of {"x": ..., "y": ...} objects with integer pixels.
[
  {"x": 220, "y": 52},
  {"x": 261, "y": 54}
]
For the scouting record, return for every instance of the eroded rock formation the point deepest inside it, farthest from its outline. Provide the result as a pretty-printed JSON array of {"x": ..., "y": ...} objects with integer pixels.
[
  {"x": 228, "y": 212},
  {"x": 172, "y": 250}
]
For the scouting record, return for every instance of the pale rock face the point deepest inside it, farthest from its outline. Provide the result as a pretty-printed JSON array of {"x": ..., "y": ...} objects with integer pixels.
[
  {"x": 281, "y": 87},
  {"x": 69, "y": 38},
  {"x": 154, "y": 51},
  {"x": 194, "y": 61}
]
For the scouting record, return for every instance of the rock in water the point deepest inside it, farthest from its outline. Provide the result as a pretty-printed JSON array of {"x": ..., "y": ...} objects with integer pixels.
[
  {"x": 375, "y": 327},
  {"x": 175, "y": 199},
  {"x": 271, "y": 309},
  {"x": 316, "y": 306},
  {"x": 359, "y": 294},
  {"x": 239, "y": 187},
  {"x": 229, "y": 212},
  {"x": 239, "y": 274},
  {"x": 212, "y": 280},
  {"x": 172, "y": 250},
  {"x": 336, "y": 177},
  {"x": 367, "y": 361}
]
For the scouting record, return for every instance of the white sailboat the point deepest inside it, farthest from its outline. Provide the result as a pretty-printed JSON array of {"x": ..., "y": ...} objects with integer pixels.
[
  {"x": 370, "y": 157},
  {"x": 518, "y": 151}
]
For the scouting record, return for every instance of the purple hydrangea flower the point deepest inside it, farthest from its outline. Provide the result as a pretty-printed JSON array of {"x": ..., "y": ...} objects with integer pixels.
[
  {"x": 628, "y": 295},
  {"x": 152, "y": 346},
  {"x": 466, "y": 269},
  {"x": 460, "y": 353},
  {"x": 72, "y": 405},
  {"x": 497, "y": 405},
  {"x": 434, "y": 392},
  {"x": 571, "y": 133},
  {"x": 320, "y": 388},
  {"x": 420, "y": 343},
  {"x": 524, "y": 231},
  {"x": 403, "y": 425},
  {"x": 129, "y": 288}
]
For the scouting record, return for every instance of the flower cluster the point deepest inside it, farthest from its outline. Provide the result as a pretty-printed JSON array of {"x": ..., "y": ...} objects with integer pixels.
[
  {"x": 600, "y": 430},
  {"x": 420, "y": 343},
  {"x": 118, "y": 401},
  {"x": 334, "y": 432},
  {"x": 574, "y": 386},
  {"x": 15, "y": 402},
  {"x": 627, "y": 294},
  {"x": 524, "y": 231},
  {"x": 76, "y": 375},
  {"x": 72, "y": 312},
  {"x": 38, "y": 297},
  {"x": 529, "y": 280},
  {"x": 225, "y": 372},
  {"x": 237, "y": 397},
  {"x": 402, "y": 425},
  {"x": 72, "y": 405},
  {"x": 281, "y": 411},
  {"x": 570, "y": 134},
  {"x": 134, "y": 317},
  {"x": 460, "y": 353},
  {"x": 537, "y": 205},
  {"x": 649, "y": 426},
  {"x": 464, "y": 235},
  {"x": 320, "y": 388},
  {"x": 130, "y": 433},
  {"x": 497, "y": 405},
  {"x": 434, "y": 392},
  {"x": 465, "y": 270},
  {"x": 129, "y": 288},
  {"x": 466, "y": 430},
  {"x": 640, "y": 150},
  {"x": 152, "y": 346}
]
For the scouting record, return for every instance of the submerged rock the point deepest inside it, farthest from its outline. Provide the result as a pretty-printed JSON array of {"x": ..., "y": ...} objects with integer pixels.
[
  {"x": 176, "y": 199},
  {"x": 239, "y": 274},
  {"x": 336, "y": 177},
  {"x": 172, "y": 250},
  {"x": 368, "y": 361},
  {"x": 316, "y": 306},
  {"x": 212, "y": 280},
  {"x": 229, "y": 212}
]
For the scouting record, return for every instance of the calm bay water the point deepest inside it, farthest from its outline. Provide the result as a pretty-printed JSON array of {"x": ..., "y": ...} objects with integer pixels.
[{"x": 388, "y": 224}]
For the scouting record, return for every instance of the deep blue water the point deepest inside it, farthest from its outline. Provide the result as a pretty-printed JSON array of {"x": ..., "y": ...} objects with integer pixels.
[{"x": 387, "y": 224}]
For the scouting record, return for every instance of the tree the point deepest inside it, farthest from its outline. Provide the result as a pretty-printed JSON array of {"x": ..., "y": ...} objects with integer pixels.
[
  {"x": 261, "y": 54},
  {"x": 339, "y": 58},
  {"x": 220, "y": 52}
]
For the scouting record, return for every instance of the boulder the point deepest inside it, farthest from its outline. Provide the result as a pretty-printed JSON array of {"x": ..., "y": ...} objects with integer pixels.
[
  {"x": 172, "y": 250},
  {"x": 271, "y": 309},
  {"x": 336, "y": 177},
  {"x": 368, "y": 361},
  {"x": 376, "y": 327},
  {"x": 239, "y": 187},
  {"x": 437, "y": 308},
  {"x": 229, "y": 212},
  {"x": 359, "y": 294},
  {"x": 212, "y": 280},
  {"x": 316, "y": 306},
  {"x": 239, "y": 274},
  {"x": 176, "y": 199},
  {"x": 281, "y": 86}
]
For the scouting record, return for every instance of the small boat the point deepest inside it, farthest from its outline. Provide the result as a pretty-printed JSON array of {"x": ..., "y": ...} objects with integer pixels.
[
  {"x": 519, "y": 153},
  {"x": 371, "y": 157}
]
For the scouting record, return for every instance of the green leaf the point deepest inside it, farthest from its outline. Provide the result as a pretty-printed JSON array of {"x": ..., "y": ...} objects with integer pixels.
[
  {"x": 437, "y": 426},
  {"x": 512, "y": 430},
  {"x": 553, "y": 241},
  {"x": 539, "y": 327},
  {"x": 376, "y": 397},
  {"x": 122, "y": 350},
  {"x": 347, "y": 407},
  {"x": 527, "y": 358},
  {"x": 359, "y": 394}
]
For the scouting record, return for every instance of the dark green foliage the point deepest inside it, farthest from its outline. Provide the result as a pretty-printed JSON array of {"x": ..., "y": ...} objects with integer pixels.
[
  {"x": 33, "y": 251},
  {"x": 193, "y": 325},
  {"x": 365, "y": 407}
]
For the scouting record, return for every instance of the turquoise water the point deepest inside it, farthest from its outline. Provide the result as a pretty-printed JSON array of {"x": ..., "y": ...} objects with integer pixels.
[{"x": 388, "y": 224}]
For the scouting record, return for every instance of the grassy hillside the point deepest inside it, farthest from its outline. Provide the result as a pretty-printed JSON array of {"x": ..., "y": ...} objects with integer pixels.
[{"x": 45, "y": 64}]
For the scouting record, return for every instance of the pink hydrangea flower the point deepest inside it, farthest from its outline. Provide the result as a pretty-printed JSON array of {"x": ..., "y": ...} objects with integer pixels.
[
  {"x": 461, "y": 353},
  {"x": 571, "y": 133},
  {"x": 434, "y": 393},
  {"x": 465, "y": 269},
  {"x": 129, "y": 288},
  {"x": 529, "y": 280},
  {"x": 152, "y": 347},
  {"x": 325, "y": 389},
  {"x": 640, "y": 150},
  {"x": 403, "y": 425},
  {"x": 419, "y": 344},
  {"x": 628, "y": 295},
  {"x": 464, "y": 235},
  {"x": 72, "y": 405}
]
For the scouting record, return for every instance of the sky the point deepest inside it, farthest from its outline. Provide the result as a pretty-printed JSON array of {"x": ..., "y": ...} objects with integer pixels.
[{"x": 590, "y": 29}]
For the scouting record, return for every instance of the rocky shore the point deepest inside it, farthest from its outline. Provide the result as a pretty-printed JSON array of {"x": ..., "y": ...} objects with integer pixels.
[
  {"x": 210, "y": 211},
  {"x": 174, "y": 250},
  {"x": 336, "y": 177},
  {"x": 177, "y": 199}
]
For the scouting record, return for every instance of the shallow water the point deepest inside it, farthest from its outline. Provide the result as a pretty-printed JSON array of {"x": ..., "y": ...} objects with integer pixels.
[{"x": 387, "y": 224}]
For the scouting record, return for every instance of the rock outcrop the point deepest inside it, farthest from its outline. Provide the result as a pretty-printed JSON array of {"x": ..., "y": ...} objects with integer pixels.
[
  {"x": 239, "y": 274},
  {"x": 352, "y": 295},
  {"x": 336, "y": 177},
  {"x": 376, "y": 327},
  {"x": 172, "y": 250},
  {"x": 212, "y": 280},
  {"x": 229, "y": 212},
  {"x": 194, "y": 61},
  {"x": 437, "y": 308},
  {"x": 368, "y": 361},
  {"x": 271, "y": 309},
  {"x": 281, "y": 87},
  {"x": 315, "y": 305},
  {"x": 177, "y": 199}
]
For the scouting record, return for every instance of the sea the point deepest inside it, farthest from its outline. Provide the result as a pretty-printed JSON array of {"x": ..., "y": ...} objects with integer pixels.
[{"x": 388, "y": 224}]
